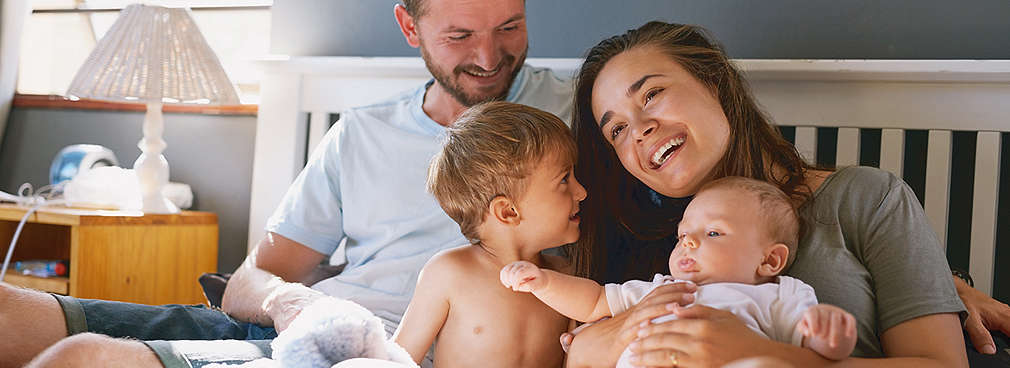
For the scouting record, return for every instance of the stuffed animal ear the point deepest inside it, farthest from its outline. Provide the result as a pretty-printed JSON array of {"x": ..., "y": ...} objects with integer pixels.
[
  {"x": 775, "y": 260},
  {"x": 328, "y": 331}
]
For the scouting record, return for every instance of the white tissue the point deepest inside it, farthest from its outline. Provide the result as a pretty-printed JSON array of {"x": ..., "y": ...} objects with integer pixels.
[
  {"x": 116, "y": 188},
  {"x": 108, "y": 187},
  {"x": 179, "y": 194}
]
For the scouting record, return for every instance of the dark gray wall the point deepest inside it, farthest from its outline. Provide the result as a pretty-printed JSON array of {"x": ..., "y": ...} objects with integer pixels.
[
  {"x": 814, "y": 29},
  {"x": 213, "y": 154}
]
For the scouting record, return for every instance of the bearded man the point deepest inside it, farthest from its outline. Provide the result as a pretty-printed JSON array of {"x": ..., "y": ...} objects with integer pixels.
[{"x": 363, "y": 186}]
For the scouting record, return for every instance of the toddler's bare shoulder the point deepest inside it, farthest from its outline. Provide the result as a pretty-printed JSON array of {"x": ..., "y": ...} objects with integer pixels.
[{"x": 449, "y": 264}]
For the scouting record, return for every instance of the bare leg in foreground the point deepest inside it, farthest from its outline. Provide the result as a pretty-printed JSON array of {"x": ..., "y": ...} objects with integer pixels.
[{"x": 31, "y": 321}]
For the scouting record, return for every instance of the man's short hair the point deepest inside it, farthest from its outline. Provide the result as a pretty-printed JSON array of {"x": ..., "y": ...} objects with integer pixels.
[
  {"x": 778, "y": 214},
  {"x": 489, "y": 151},
  {"x": 415, "y": 8}
]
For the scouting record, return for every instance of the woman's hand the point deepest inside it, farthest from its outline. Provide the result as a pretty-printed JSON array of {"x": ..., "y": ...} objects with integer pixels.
[
  {"x": 984, "y": 314},
  {"x": 701, "y": 336},
  {"x": 602, "y": 343}
]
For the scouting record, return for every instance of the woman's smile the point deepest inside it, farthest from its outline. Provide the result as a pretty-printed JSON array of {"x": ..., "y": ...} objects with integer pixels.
[{"x": 667, "y": 150}]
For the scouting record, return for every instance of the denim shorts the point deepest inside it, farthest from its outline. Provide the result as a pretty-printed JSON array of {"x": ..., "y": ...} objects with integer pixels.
[{"x": 181, "y": 335}]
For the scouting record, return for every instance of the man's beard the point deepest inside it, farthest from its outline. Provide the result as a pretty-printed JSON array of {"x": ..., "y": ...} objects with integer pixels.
[{"x": 448, "y": 79}]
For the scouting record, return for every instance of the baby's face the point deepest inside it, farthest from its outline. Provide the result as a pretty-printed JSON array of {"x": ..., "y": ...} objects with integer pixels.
[{"x": 720, "y": 239}]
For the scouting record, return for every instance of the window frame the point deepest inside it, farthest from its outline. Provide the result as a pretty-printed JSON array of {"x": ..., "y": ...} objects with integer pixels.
[
  {"x": 22, "y": 100},
  {"x": 49, "y": 101}
]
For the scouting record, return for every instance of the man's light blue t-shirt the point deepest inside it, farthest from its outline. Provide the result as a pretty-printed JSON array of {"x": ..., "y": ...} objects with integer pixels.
[{"x": 365, "y": 183}]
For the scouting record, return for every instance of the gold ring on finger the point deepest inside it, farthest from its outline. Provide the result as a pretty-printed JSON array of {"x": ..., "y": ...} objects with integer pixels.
[{"x": 673, "y": 359}]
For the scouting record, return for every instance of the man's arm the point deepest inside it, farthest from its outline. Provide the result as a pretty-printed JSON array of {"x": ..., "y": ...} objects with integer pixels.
[
  {"x": 265, "y": 289},
  {"x": 574, "y": 297},
  {"x": 984, "y": 314}
]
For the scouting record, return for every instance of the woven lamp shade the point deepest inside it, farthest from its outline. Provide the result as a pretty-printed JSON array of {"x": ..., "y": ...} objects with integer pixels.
[{"x": 153, "y": 54}]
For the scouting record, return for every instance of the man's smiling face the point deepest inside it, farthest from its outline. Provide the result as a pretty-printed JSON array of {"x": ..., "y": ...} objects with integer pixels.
[{"x": 474, "y": 49}]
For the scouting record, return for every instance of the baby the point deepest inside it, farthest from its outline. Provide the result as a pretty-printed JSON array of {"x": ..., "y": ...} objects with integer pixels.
[
  {"x": 505, "y": 175},
  {"x": 736, "y": 237}
]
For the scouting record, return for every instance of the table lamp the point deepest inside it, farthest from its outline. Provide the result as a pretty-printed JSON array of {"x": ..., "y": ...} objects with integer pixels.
[{"x": 154, "y": 55}]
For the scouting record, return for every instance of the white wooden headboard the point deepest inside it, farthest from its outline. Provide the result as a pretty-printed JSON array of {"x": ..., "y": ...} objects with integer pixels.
[{"x": 857, "y": 111}]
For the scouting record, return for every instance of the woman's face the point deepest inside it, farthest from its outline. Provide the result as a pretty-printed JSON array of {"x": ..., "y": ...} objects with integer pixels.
[{"x": 668, "y": 130}]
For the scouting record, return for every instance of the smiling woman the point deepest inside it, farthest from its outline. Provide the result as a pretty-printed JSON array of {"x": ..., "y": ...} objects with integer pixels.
[{"x": 866, "y": 243}]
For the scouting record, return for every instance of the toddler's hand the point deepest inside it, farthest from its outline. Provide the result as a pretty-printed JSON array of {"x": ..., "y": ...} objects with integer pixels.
[
  {"x": 522, "y": 276},
  {"x": 829, "y": 330}
]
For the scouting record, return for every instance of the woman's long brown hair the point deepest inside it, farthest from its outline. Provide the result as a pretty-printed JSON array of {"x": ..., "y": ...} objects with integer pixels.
[{"x": 621, "y": 216}]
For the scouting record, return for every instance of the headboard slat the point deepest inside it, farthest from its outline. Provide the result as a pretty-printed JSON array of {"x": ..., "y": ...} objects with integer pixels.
[
  {"x": 983, "y": 217},
  {"x": 938, "y": 181},
  {"x": 806, "y": 143},
  {"x": 892, "y": 151},
  {"x": 848, "y": 147},
  {"x": 319, "y": 123}
]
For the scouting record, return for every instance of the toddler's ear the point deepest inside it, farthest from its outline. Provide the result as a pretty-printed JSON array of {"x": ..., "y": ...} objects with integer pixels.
[
  {"x": 775, "y": 260},
  {"x": 504, "y": 211}
]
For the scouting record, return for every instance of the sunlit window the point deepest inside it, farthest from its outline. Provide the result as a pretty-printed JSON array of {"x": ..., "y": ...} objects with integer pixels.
[{"x": 60, "y": 34}]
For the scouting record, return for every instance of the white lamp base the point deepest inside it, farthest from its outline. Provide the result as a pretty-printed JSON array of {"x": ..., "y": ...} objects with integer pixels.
[{"x": 151, "y": 167}]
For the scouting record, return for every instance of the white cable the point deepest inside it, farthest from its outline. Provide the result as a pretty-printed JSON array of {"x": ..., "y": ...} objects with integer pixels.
[
  {"x": 26, "y": 198},
  {"x": 10, "y": 250},
  {"x": 4, "y": 196}
]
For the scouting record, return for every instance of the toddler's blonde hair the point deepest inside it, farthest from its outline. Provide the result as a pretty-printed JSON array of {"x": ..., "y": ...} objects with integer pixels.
[{"x": 489, "y": 151}]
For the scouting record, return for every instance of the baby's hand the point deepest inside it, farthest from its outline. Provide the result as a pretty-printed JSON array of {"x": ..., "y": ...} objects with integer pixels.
[
  {"x": 522, "y": 276},
  {"x": 829, "y": 330}
]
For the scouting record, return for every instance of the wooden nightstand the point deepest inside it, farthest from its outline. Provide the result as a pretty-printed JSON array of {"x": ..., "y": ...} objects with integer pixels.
[{"x": 115, "y": 255}]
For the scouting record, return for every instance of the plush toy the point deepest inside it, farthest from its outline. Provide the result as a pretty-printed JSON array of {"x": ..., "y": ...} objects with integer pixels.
[{"x": 332, "y": 330}]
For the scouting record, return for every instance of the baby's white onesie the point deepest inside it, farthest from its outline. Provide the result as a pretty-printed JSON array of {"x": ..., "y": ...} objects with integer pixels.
[{"x": 771, "y": 309}]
